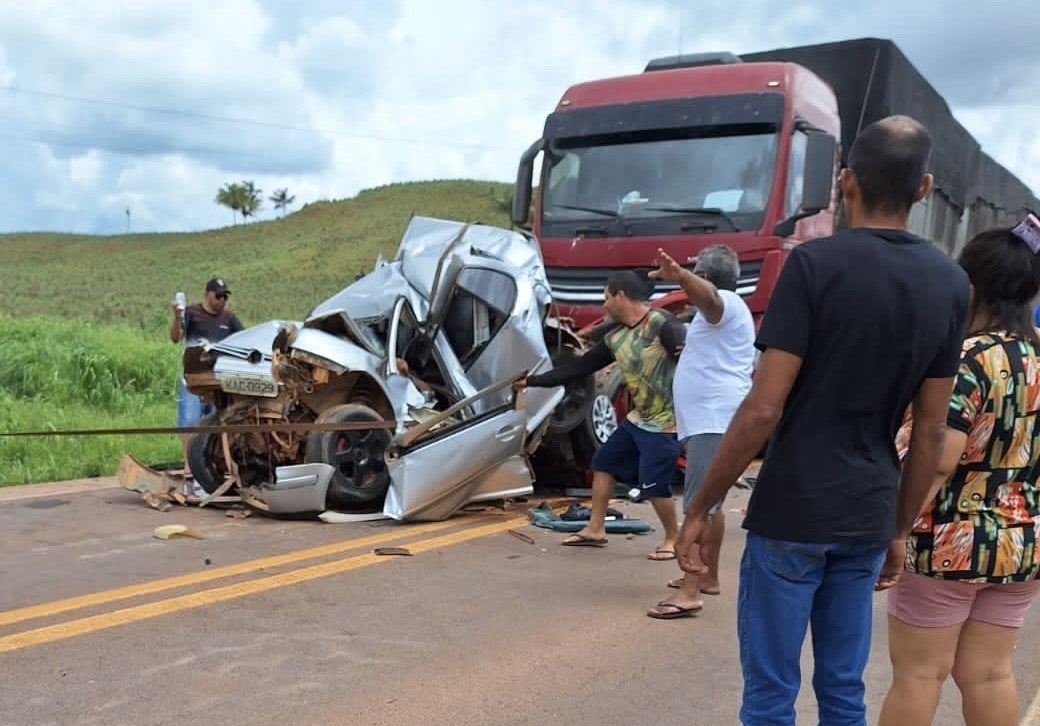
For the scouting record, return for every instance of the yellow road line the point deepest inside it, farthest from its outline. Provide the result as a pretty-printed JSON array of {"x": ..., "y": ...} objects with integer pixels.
[
  {"x": 194, "y": 578},
  {"x": 94, "y": 623}
]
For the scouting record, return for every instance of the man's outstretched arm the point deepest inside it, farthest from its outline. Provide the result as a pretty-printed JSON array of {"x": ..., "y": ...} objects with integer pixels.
[
  {"x": 597, "y": 357},
  {"x": 702, "y": 294}
]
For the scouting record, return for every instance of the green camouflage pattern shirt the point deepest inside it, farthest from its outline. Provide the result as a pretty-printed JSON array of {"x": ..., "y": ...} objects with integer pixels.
[{"x": 646, "y": 354}]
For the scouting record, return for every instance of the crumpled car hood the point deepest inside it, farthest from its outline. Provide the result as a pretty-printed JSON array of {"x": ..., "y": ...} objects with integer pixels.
[
  {"x": 256, "y": 339},
  {"x": 413, "y": 271}
]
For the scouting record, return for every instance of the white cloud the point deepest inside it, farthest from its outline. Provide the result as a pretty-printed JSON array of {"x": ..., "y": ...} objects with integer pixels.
[
  {"x": 345, "y": 94},
  {"x": 201, "y": 59},
  {"x": 1009, "y": 136},
  {"x": 85, "y": 170}
]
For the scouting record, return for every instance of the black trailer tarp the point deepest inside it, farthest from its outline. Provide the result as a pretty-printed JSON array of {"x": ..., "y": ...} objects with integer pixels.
[{"x": 873, "y": 79}]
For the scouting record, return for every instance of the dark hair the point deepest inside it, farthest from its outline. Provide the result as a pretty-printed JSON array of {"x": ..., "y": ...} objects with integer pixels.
[
  {"x": 889, "y": 158},
  {"x": 1005, "y": 275},
  {"x": 635, "y": 286}
]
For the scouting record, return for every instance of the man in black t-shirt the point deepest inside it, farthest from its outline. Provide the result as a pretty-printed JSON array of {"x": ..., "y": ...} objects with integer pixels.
[
  {"x": 208, "y": 321},
  {"x": 861, "y": 324}
]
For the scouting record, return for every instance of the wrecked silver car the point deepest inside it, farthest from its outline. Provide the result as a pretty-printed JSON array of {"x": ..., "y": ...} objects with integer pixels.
[{"x": 427, "y": 345}]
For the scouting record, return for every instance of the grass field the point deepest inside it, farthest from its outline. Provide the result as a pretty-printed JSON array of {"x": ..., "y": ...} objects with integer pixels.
[
  {"x": 77, "y": 374},
  {"x": 83, "y": 319}
]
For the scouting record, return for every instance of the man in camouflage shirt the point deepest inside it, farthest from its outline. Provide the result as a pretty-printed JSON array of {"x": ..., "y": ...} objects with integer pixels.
[{"x": 645, "y": 343}]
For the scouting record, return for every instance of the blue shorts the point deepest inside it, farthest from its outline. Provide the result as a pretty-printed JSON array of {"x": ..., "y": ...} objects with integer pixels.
[
  {"x": 644, "y": 459},
  {"x": 190, "y": 407}
]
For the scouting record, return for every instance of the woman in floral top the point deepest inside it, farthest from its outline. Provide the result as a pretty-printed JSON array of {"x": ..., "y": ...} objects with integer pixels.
[{"x": 972, "y": 565}]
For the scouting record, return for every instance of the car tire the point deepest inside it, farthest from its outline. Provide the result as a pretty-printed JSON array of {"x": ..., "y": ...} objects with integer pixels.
[
  {"x": 360, "y": 478},
  {"x": 599, "y": 423},
  {"x": 205, "y": 459}
]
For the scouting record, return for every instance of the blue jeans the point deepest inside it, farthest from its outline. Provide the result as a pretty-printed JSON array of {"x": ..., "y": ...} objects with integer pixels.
[
  {"x": 190, "y": 408},
  {"x": 785, "y": 586}
]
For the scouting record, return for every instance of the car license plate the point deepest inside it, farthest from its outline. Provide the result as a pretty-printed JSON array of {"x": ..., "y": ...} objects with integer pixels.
[{"x": 249, "y": 385}]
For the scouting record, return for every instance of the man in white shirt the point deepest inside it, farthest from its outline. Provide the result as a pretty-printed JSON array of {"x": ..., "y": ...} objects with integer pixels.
[{"x": 711, "y": 379}]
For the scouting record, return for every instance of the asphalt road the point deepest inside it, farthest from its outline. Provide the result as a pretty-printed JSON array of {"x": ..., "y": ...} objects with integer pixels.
[{"x": 299, "y": 623}]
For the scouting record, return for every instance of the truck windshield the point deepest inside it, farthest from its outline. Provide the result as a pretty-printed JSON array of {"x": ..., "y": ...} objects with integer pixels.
[{"x": 674, "y": 180}]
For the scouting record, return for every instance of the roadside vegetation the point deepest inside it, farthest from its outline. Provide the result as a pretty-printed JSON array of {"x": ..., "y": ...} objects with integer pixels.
[{"x": 84, "y": 319}]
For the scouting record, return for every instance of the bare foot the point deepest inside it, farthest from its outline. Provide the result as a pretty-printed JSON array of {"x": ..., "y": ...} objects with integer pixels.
[{"x": 586, "y": 538}]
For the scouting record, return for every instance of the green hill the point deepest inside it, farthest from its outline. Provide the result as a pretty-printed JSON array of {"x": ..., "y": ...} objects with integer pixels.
[
  {"x": 277, "y": 268},
  {"x": 83, "y": 319}
]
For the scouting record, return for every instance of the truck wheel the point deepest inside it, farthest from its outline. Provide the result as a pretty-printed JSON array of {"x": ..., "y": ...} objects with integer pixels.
[
  {"x": 360, "y": 477},
  {"x": 205, "y": 457}
]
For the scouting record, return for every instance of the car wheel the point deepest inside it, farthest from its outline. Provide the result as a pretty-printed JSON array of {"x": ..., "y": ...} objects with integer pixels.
[
  {"x": 602, "y": 418},
  {"x": 205, "y": 457},
  {"x": 360, "y": 477},
  {"x": 599, "y": 424}
]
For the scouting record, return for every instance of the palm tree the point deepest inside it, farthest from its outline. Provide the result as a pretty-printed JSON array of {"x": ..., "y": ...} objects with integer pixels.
[
  {"x": 230, "y": 196},
  {"x": 251, "y": 199},
  {"x": 281, "y": 199}
]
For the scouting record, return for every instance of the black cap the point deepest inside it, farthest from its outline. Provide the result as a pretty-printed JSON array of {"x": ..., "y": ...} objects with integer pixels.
[{"x": 217, "y": 284}]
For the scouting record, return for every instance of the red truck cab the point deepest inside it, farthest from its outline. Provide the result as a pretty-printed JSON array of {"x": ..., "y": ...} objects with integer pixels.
[{"x": 694, "y": 151}]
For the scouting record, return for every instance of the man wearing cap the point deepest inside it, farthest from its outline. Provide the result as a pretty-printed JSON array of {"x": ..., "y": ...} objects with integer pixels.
[{"x": 206, "y": 322}]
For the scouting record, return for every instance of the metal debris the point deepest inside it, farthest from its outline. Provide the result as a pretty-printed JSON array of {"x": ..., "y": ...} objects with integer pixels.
[
  {"x": 342, "y": 517},
  {"x": 154, "y": 487},
  {"x": 170, "y": 531},
  {"x": 402, "y": 551},
  {"x": 521, "y": 536}
]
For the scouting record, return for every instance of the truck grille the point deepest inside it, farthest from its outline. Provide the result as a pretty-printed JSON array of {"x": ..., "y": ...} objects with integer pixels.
[{"x": 584, "y": 286}]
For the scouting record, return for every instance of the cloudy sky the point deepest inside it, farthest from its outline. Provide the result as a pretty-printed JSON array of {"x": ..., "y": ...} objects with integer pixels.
[{"x": 151, "y": 105}]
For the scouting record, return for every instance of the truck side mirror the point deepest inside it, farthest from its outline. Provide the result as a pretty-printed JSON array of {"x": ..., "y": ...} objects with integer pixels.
[
  {"x": 819, "y": 172},
  {"x": 522, "y": 189},
  {"x": 817, "y": 179}
]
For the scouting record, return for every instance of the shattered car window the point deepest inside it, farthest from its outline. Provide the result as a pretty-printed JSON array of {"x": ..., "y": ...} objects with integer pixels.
[
  {"x": 480, "y": 306},
  {"x": 493, "y": 287},
  {"x": 375, "y": 332}
]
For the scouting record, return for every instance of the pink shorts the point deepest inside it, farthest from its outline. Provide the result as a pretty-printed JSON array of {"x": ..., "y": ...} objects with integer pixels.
[{"x": 928, "y": 602}]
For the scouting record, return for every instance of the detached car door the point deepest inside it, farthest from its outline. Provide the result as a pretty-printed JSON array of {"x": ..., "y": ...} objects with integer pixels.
[{"x": 438, "y": 466}]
